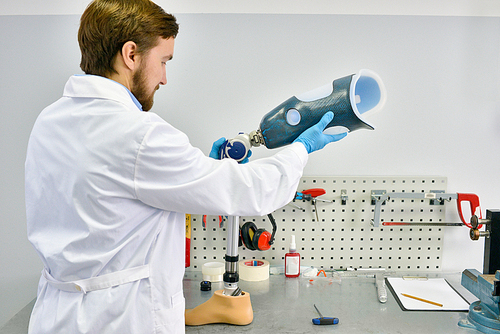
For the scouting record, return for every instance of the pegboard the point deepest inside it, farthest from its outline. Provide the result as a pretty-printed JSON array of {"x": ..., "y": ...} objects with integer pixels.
[{"x": 344, "y": 236}]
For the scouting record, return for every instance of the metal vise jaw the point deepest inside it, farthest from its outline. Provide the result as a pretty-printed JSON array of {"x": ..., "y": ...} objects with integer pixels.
[{"x": 484, "y": 314}]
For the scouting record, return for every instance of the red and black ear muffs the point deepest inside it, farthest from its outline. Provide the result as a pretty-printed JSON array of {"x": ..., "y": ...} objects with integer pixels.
[{"x": 257, "y": 238}]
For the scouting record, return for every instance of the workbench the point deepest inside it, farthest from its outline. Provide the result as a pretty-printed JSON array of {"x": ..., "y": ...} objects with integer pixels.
[{"x": 285, "y": 305}]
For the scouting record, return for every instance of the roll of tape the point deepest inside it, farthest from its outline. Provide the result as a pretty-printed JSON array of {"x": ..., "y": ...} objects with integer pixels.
[
  {"x": 253, "y": 270},
  {"x": 213, "y": 271}
]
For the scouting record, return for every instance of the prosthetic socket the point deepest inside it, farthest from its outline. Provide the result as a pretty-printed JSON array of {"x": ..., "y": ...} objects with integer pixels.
[{"x": 348, "y": 98}]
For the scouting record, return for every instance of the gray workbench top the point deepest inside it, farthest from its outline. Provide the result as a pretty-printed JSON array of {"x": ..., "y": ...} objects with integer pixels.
[{"x": 285, "y": 305}]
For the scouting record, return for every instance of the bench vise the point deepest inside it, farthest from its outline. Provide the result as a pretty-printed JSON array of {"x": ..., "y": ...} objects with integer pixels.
[{"x": 484, "y": 314}]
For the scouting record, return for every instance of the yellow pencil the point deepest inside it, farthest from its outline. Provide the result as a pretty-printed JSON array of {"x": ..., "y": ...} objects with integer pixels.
[{"x": 422, "y": 300}]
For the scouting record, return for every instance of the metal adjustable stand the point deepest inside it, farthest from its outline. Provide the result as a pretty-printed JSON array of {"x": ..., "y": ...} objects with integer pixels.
[{"x": 231, "y": 276}]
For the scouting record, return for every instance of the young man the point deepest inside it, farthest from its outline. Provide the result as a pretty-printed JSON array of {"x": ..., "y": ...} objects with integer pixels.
[{"x": 108, "y": 184}]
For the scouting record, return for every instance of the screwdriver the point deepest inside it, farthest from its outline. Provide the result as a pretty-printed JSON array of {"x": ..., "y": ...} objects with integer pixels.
[{"x": 324, "y": 320}]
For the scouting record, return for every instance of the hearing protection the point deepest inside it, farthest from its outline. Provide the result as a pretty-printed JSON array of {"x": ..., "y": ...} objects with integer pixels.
[{"x": 254, "y": 238}]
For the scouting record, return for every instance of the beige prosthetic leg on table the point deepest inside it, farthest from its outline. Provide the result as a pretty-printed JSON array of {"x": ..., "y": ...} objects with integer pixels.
[
  {"x": 231, "y": 305},
  {"x": 234, "y": 310}
]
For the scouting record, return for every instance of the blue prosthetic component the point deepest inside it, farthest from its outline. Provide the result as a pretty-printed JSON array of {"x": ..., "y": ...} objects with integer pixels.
[
  {"x": 237, "y": 148},
  {"x": 234, "y": 150},
  {"x": 282, "y": 125}
]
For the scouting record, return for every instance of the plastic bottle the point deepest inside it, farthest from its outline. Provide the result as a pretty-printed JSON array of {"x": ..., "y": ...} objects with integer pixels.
[{"x": 292, "y": 260}]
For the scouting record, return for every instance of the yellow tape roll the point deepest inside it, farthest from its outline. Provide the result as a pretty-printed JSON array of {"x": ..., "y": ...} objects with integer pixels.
[{"x": 253, "y": 270}]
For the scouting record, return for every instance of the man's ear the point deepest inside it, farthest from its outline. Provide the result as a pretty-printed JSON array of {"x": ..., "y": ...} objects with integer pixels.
[{"x": 129, "y": 55}]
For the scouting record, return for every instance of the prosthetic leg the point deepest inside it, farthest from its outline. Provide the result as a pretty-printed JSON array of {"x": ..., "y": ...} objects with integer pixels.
[
  {"x": 349, "y": 98},
  {"x": 231, "y": 305}
]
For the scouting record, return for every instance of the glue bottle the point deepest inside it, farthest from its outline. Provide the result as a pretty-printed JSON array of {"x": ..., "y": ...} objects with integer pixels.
[{"x": 292, "y": 260}]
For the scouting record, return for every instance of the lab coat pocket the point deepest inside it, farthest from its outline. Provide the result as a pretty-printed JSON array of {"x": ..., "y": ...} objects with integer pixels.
[
  {"x": 171, "y": 320},
  {"x": 178, "y": 299}
]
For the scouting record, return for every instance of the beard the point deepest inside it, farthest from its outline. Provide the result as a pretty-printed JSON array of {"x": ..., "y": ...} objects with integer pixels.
[{"x": 140, "y": 91}]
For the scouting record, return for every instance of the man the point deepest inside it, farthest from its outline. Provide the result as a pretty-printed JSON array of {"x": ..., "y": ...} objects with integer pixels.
[{"x": 108, "y": 184}]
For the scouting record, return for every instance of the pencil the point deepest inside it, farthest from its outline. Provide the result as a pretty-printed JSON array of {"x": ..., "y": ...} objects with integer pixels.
[{"x": 422, "y": 300}]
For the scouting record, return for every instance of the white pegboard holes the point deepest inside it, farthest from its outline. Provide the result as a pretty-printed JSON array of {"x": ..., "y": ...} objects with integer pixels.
[{"x": 344, "y": 237}]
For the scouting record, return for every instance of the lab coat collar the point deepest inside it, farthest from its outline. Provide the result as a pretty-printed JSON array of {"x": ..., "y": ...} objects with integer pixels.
[{"x": 94, "y": 86}]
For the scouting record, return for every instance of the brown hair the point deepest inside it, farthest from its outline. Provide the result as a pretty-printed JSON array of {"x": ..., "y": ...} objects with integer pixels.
[{"x": 106, "y": 25}]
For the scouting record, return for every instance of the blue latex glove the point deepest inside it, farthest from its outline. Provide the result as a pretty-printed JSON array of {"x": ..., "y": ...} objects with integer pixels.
[
  {"x": 314, "y": 139},
  {"x": 215, "y": 152},
  {"x": 244, "y": 161}
]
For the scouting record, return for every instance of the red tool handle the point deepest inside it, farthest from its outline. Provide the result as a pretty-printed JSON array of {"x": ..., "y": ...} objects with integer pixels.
[
  {"x": 314, "y": 192},
  {"x": 475, "y": 207}
]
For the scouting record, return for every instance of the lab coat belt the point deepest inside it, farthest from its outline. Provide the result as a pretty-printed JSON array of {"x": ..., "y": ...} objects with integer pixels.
[{"x": 99, "y": 282}]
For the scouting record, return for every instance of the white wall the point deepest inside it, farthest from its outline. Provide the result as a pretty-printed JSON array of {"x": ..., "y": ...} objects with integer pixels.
[
  {"x": 440, "y": 66},
  {"x": 354, "y": 7}
]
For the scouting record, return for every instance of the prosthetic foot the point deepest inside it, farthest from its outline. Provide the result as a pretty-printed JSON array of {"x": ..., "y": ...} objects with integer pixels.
[{"x": 234, "y": 310}]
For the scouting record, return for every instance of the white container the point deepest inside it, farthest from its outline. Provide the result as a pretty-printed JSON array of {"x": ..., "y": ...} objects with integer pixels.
[{"x": 213, "y": 271}]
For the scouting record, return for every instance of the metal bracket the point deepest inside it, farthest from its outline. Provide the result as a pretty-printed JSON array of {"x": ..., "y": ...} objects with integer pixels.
[
  {"x": 343, "y": 196},
  {"x": 379, "y": 198},
  {"x": 435, "y": 201}
]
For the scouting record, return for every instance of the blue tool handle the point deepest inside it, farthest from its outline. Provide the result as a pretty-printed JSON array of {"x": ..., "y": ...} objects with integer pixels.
[
  {"x": 325, "y": 321},
  {"x": 305, "y": 197}
]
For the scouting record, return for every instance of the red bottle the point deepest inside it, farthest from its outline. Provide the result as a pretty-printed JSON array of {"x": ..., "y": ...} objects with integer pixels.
[{"x": 292, "y": 260}]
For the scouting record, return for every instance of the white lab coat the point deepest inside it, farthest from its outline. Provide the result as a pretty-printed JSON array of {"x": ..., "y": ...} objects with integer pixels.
[{"x": 107, "y": 187}]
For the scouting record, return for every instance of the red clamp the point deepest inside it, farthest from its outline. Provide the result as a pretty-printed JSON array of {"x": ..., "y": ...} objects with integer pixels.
[{"x": 314, "y": 192}]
